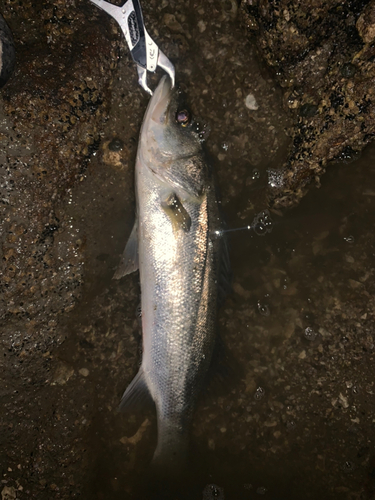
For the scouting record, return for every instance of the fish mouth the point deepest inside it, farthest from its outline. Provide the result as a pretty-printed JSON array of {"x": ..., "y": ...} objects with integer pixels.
[{"x": 158, "y": 106}]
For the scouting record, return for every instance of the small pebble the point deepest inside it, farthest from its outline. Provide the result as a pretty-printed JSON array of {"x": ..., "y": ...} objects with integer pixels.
[
  {"x": 201, "y": 26},
  {"x": 251, "y": 103},
  {"x": 348, "y": 70},
  {"x": 308, "y": 110}
]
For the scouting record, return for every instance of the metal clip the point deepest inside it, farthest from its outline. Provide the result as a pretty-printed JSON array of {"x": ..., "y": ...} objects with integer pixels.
[{"x": 145, "y": 53}]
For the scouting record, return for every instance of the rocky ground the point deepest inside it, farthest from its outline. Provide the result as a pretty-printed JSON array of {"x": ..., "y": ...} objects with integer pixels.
[
  {"x": 322, "y": 54},
  {"x": 297, "y": 418}
]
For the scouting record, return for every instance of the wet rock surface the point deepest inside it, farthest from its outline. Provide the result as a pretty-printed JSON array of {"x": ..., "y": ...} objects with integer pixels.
[
  {"x": 51, "y": 115},
  {"x": 323, "y": 58},
  {"x": 297, "y": 419}
]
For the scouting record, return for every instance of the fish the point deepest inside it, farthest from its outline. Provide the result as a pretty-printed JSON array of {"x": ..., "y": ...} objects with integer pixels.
[{"x": 175, "y": 246}]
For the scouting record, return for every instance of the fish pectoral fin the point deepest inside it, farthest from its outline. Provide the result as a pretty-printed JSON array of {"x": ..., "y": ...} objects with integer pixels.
[
  {"x": 177, "y": 213},
  {"x": 129, "y": 260},
  {"x": 137, "y": 394}
]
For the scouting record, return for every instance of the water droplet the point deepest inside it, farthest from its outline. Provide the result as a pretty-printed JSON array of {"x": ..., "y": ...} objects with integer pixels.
[
  {"x": 348, "y": 155},
  {"x": 213, "y": 491},
  {"x": 115, "y": 144},
  {"x": 310, "y": 334},
  {"x": 259, "y": 229},
  {"x": 348, "y": 467},
  {"x": 263, "y": 309},
  {"x": 291, "y": 425},
  {"x": 259, "y": 393},
  {"x": 262, "y": 223},
  {"x": 291, "y": 100},
  {"x": 275, "y": 178},
  {"x": 255, "y": 174},
  {"x": 261, "y": 490},
  {"x": 349, "y": 239}
]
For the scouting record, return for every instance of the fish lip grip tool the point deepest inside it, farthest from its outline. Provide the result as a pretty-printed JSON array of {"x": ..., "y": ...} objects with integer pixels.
[{"x": 145, "y": 53}]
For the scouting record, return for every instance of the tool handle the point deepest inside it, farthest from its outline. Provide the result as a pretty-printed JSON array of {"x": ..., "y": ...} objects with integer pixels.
[{"x": 137, "y": 35}]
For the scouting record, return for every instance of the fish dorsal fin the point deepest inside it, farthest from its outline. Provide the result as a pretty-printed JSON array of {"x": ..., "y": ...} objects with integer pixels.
[
  {"x": 129, "y": 260},
  {"x": 136, "y": 395}
]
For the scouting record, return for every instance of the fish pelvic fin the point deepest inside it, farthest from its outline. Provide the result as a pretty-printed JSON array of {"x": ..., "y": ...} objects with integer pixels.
[
  {"x": 136, "y": 395},
  {"x": 129, "y": 260}
]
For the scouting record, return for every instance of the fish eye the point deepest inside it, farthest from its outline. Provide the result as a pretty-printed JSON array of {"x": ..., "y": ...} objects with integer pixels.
[{"x": 183, "y": 117}]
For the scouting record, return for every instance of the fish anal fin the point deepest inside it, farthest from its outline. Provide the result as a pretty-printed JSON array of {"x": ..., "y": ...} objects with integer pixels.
[
  {"x": 129, "y": 259},
  {"x": 137, "y": 395}
]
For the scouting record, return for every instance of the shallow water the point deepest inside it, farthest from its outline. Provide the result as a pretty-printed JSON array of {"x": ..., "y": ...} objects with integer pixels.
[
  {"x": 292, "y": 414},
  {"x": 295, "y": 417}
]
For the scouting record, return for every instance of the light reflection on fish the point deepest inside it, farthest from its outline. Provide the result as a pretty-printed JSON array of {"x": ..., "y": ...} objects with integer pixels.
[{"x": 174, "y": 245}]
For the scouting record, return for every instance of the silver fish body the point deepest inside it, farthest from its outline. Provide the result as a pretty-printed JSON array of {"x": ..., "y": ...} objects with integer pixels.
[{"x": 179, "y": 260}]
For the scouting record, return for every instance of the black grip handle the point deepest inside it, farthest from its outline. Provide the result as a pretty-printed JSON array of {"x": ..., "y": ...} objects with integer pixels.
[{"x": 137, "y": 35}]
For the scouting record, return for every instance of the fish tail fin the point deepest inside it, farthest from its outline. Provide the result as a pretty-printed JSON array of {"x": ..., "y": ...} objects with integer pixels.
[
  {"x": 171, "y": 454},
  {"x": 169, "y": 473}
]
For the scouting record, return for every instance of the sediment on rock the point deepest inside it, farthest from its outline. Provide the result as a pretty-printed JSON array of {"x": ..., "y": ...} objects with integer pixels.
[{"x": 323, "y": 58}]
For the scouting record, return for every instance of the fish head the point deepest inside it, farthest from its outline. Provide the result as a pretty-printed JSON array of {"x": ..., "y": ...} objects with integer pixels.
[
  {"x": 168, "y": 126},
  {"x": 169, "y": 144}
]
